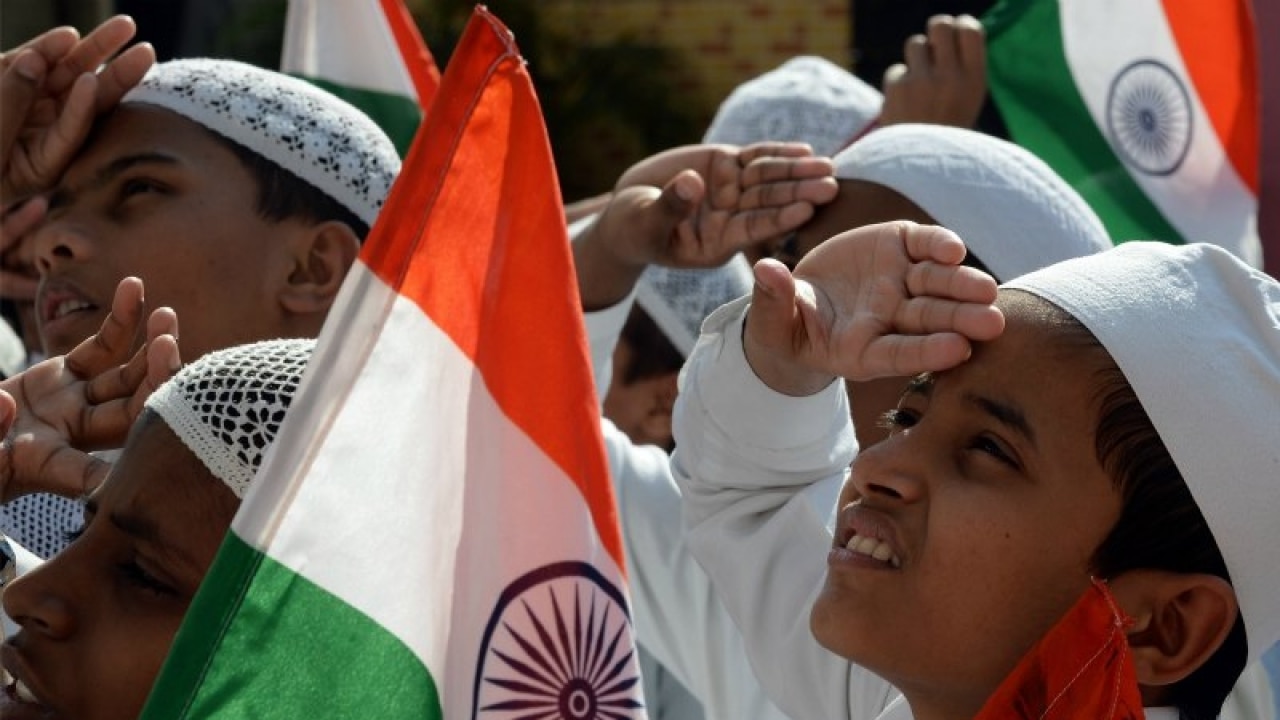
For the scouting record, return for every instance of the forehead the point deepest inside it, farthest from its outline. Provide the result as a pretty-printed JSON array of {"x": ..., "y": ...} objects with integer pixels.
[
  {"x": 136, "y": 128},
  {"x": 158, "y": 480}
]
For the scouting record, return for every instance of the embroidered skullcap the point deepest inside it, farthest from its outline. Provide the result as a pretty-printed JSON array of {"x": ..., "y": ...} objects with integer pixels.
[
  {"x": 294, "y": 124},
  {"x": 806, "y": 99},
  {"x": 227, "y": 406},
  {"x": 1015, "y": 214},
  {"x": 679, "y": 300},
  {"x": 1197, "y": 334}
]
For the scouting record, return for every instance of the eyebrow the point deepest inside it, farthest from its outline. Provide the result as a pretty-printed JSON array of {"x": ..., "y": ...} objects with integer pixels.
[
  {"x": 114, "y": 169},
  {"x": 1008, "y": 415},
  {"x": 145, "y": 531},
  {"x": 921, "y": 384}
]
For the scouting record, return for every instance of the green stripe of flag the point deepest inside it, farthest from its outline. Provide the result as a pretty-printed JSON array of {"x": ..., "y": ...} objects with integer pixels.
[
  {"x": 397, "y": 115},
  {"x": 245, "y": 660},
  {"x": 1032, "y": 85}
]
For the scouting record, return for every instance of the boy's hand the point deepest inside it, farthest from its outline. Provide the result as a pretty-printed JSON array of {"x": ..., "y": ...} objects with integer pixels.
[
  {"x": 51, "y": 88},
  {"x": 880, "y": 301},
  {"x": 716, "y": 201},
  {"x": 53, "y": 412},
  {"x": 15, "y": 224},
  {"x": 943, "y": 79}
]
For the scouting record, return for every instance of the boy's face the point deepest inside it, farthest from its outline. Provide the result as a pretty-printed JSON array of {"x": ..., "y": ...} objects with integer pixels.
[
  {"x": 98, "y": 619},
  {"x": 155, "y": 195},
  {"x": 989, "y": 503}
]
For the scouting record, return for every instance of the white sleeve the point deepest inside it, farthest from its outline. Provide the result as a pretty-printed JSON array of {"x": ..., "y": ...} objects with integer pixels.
[
  {"x": 604, "y": 327},
  {"x": 760, "y": 474},
  {"x": 678, "y": 618}
]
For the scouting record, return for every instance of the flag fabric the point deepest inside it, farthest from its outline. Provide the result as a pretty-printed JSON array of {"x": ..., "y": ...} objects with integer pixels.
[
  {"x": 433, "y": 533},
  {"x": 367, "y": 52},
  {"x": 1149, "y": 108},
  {"x": 1081, "y": 668}
]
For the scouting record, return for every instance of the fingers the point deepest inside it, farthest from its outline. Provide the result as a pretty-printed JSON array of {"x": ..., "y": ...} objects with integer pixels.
[
  {"x": 15, "y": 284},
  {"x": 71, "y": 473},
  {"x": 915, "y": 52},
  {"x": 971, "y": 44},
  {"x": 931, "y": 242},
  {"x": 87, "y": 55},
  {"x": 123, "y": 74},
  {"x": 19, "y": 88},
  {"x": 930, "y": 315},
  {"x": 724, "y": 176},
  {"x": 754, "y": 151},
  {"x": 754, "y": 226},
  {"x": 114, "y": 341},
  {"x": 954, "y": 282},
  {"x": 904, "y": 355}
]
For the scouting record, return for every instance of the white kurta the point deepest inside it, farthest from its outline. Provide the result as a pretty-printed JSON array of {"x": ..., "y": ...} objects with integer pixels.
[
  {"x": 760, "y": 474},
  {"x": 678, "y": 619}
]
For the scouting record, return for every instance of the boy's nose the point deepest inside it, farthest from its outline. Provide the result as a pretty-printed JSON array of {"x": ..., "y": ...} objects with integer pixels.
[
  {"x": 59, "y": 242},
  {"x": 30, "y": 605},
  {"x": 890, "y": 469}
]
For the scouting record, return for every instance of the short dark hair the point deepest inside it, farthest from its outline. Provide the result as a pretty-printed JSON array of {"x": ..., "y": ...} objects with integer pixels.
[
  {"x": 1160, "y": 525},
  {"x": 652, "y": 354},
  {"x": 283, "y": 195}
]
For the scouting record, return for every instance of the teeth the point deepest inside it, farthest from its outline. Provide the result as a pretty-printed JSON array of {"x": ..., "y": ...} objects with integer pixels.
[
  {"x": 871, "y": 547},
  {"x": 24, "y": 694},
  {"x": 69, "y": 306}
]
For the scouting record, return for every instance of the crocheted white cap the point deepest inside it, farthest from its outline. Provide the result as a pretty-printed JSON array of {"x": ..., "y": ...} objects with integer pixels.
[
  {"x": 1197, "y": 334},
  {"x": 227, "y": 406},
  {"x": 309, "y": 132},
  {"x": 806, "y": 99},
  {"x": 679, "y": 300},
  {"x": 1015, "y": 214}
]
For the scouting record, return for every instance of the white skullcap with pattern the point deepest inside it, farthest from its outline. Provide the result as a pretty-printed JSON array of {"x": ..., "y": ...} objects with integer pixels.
[
  {"x": 806, "y": 99},
  {"x": 309, "y": 132},
  {"x": 679, "y": 300},
  {"x": 1012, "y": 210},
  {"x": 1196, "y": 333},
  {"x": 227, "y": 406}
]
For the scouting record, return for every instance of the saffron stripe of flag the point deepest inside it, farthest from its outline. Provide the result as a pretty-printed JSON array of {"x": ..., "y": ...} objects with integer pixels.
[
  {"x": 369, "y": 53},
  {"x": 1162, "y": 146},
  {"x": 433, "y": 534}
]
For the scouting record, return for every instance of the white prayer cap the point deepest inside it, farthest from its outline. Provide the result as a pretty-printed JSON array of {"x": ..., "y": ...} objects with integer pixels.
[
  {"x": 227, "y": 406},
  {"x": 309, "y": 132},
  {"x": 806, "y": 99},
  {"x": 1197, "y": 334},
  {"x": 1015, "y": 214},
  {"x": 679, "y": 300}
]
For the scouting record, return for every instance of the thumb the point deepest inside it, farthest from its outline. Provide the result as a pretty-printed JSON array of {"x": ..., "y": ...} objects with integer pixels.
[
  {"x": 772, "y": 319},
  {"x": 677, "y": 202}
]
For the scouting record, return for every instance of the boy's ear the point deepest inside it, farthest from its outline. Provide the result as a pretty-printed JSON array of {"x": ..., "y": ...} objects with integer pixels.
[
  {"x": 1180, "y": 620},
  {"x": 320, "y": 256}
]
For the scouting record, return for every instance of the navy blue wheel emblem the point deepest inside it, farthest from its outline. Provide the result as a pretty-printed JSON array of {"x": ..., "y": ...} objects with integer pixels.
[
  {"x": 1149, "y": 117},
  {"x": 558, "y": 647}
]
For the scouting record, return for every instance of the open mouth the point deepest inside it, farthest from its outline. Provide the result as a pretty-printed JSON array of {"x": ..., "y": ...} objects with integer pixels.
[{"x": 873, "y": 548}]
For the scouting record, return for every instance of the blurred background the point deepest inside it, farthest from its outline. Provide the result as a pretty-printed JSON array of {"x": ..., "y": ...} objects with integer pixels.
[{"x": 618, "y": 79}]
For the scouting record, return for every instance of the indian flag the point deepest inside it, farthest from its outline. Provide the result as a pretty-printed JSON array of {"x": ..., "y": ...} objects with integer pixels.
[
  {"x": 1149, "y": 108},
  {"x": 433, "y": 534},
  {"x": 367, "y": 52}
]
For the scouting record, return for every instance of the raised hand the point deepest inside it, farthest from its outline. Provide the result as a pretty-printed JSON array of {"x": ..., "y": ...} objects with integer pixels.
[
  {"x": 53, "y": 412},
  {"x": 943, "y": 76},
  {"x": 51, "y": 88},
  {"x": 696, "y": 206},
  {"x": 888, "y": 300},
  {"x": 17, "y": 281}
]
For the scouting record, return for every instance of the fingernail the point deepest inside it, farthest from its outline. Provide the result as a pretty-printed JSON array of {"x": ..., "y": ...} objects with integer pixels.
[
  {"x": 29, "y": 65},
  {"x": 684, "y": 189}
]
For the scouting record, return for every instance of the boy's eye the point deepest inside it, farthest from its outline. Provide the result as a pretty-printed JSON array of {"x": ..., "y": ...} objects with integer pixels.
[
  {"x": 73, "y": 535},
  {"x": 992, "y": 447},
  {"x": 133, "y": 573},
  {"x": 898, "y": 419},
  {"x": 138, "y": 186}
]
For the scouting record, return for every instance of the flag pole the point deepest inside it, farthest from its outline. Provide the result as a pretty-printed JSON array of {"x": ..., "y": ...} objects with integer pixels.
[{"x": 1266, "y": 15}]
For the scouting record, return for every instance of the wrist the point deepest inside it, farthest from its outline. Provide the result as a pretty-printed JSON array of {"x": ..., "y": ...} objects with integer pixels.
[{"x": 781, "y": 372}]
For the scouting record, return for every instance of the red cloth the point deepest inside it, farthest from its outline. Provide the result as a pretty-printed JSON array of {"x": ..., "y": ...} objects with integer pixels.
[{"x": 1080, "y": 669}]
